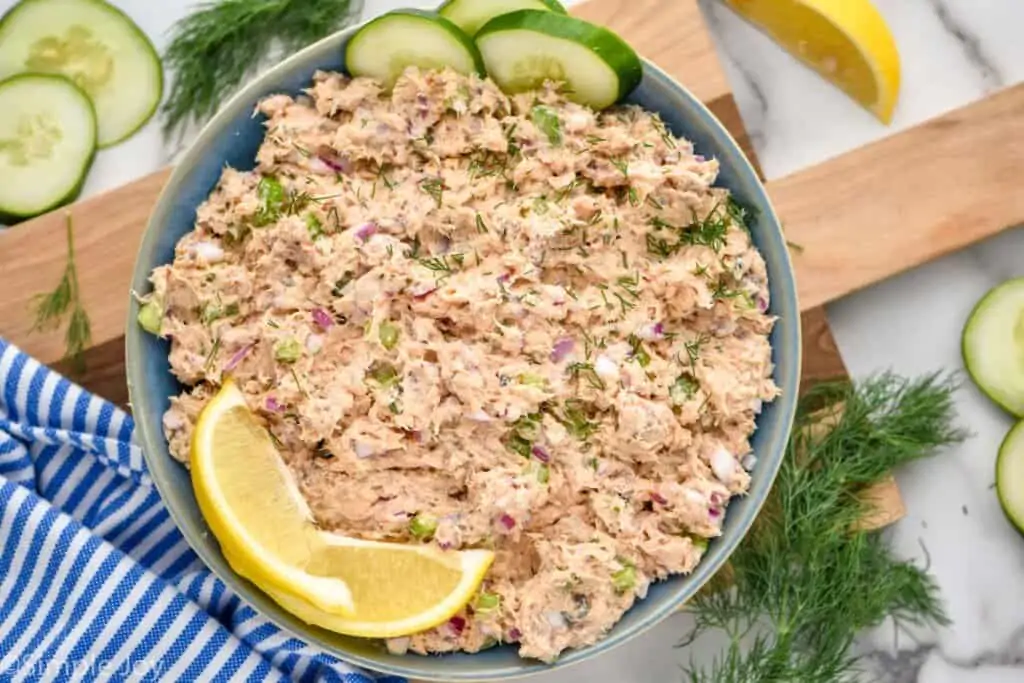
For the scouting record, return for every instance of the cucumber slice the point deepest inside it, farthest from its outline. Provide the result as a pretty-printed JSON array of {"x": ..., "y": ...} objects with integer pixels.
[
  {"x": 993, "y": 345},
  {"x": 470, "y": 15},
  {"x": 387, "y": 45},
  {"x": 1010, "y": 475},
  {"x": 47, "y": 143},
  {"x": 523, "y": 49},
  {"x": 95, "y": 45}
]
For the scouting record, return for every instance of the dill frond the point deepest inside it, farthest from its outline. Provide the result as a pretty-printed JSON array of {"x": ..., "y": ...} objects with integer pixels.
[
  {"x": 52, "y": 307},
  {"x": 806, "y": 581},
  {"x": 216, "y": 48}
]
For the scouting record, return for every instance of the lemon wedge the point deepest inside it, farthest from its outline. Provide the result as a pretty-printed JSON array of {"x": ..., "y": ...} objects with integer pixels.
[
  {"x": 266, "y": 530},
  {"x": 846, "y": 41},
  {"x": 398, "y": 589}
]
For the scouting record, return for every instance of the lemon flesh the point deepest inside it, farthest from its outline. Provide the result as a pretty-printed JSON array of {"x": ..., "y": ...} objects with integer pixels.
[
  {"x": 397, "y": 589},
  {"x": 254, "y": 508},
  {"x": 846, "y": 41}
]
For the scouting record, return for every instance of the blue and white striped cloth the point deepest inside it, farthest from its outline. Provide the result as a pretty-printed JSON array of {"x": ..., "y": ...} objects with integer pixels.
[{"x": 96, "y": 582}]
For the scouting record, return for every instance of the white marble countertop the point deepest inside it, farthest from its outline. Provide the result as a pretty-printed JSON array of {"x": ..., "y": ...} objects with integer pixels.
[{"x": 953, "y": 52}]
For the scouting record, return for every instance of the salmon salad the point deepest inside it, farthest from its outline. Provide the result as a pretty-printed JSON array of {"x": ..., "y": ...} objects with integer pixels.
[{"x": 477, "y": 320}]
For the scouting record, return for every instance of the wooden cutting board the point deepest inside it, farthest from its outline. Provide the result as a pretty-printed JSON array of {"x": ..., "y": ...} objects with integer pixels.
[{"x": 858, "y": 218}]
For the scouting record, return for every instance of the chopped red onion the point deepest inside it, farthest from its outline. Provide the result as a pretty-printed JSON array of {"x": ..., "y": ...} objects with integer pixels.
[
  {"x": 478, "y": 416},
  {"x": 723, "y": 465},
  {"x": 651, "y": 332},
  {"x": 761, "y": 303},
  {"x": 457, "y": 625},
  {"x": 364, "y": 231},
  {"x": 503, "y": 278},
  {"x": 541, "y": 454},
  {"x": 333, "y": 160},
  {"x": 563, "y": 347},
  {"x": 317, "y": 166},
  {"x": 444, "y": 244},
  {"x": 363, "y": 449},
  {"x": 698, "y": 157},
  {"x": 445, "y": 545},
  {"x": 658, "y": 498},
  {"x": 314, "y": 343},
  {"x": 514, "y": 633},
  {"x": 208, "y": 251},
  {"x": 556, "y": 619},
  {"x": 322, "y": 318},
  {"x": 272, "y": 405},
  {"x": 507, "y": 521},
  {"x": 605, "y": 367},
  {"x": 237, "y": 358},
  {"x": 716, "y": 498},
  {"x": 714, "y": 513},
  {"x": 421, "y": 290}
]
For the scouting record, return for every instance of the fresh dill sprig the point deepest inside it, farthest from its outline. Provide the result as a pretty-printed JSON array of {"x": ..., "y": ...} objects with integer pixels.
[
  {"x": 663, "y": 131},
  {"x": 440, "y": 264},
  {"x": 382, "y": 175},
  {"x": 50, "y": 308},
  {"x": 693, "y": 348},
  {"x": 586, "y": 372},
  {"x": 433, "y": 187},
  {"x": 485, "y": 163},
  {"x": 722, "y": 291},
  {"x": 216, "y": 48},
  {"x": 637, "y": 351},
  {"x": 565, "y": 191},
  {"x": 633, "y": 196},
  {"x": 806, "y": 580},
  {"x": 630, "y": 284},
  {"x": 709, "y": 231},
  {"x": 630, "y": 293},
  {"x": 590, "y": 343}
]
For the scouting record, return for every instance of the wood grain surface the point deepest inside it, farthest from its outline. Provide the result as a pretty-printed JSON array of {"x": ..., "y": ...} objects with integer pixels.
[
  {"x": 108, "y": 227},
  {"x": 907, "y": 199}
]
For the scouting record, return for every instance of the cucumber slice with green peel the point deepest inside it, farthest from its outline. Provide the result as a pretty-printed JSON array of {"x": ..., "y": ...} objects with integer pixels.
[
  {"x": 47, "y": 143},
  {"x": 95, "y": 45},
  {"x": 387, "y": 45},
  {"x": 993, "y": 345},
  {"x": 470, "y": 15},
  {"x": 523, "y": 49},
  {"x": 1010, "y": 475}
]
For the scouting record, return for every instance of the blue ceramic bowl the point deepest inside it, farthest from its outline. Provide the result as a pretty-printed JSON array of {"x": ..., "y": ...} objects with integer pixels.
[{"x": 232, "y": 138}]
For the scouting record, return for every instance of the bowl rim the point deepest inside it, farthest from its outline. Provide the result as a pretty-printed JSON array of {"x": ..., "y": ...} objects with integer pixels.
[{"x": 149, "y": 434}]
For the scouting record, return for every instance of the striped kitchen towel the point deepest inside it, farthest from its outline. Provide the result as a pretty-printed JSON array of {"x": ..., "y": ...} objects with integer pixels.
[{"x": 96, "y": 582}]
